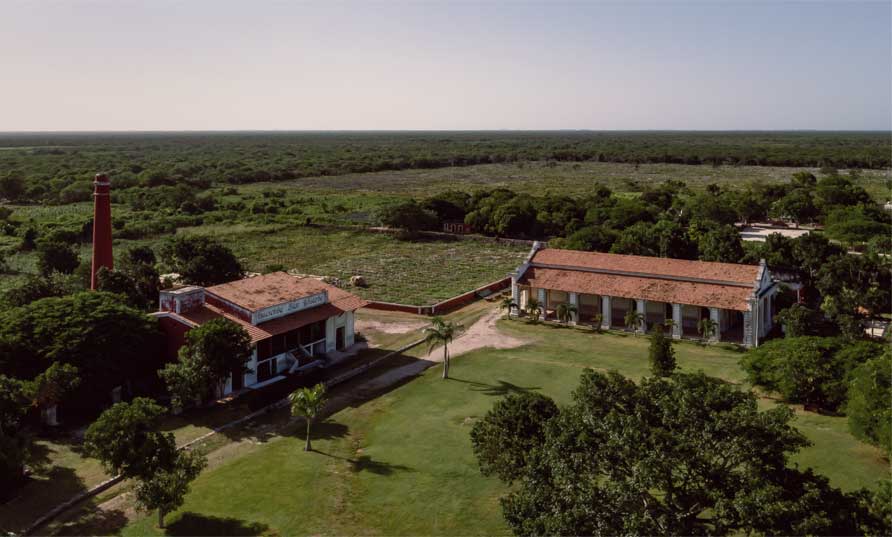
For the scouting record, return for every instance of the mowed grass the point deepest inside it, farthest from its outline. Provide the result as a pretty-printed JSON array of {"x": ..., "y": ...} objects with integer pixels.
[
  {"x": 402, "y": 463},
  {"x": 410, "y": 272}
]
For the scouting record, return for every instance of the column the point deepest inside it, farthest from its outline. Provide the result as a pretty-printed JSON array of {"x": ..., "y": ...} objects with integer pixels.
[
  {"x": 641, "y": 307},
  {"x": 330, "y": 342},
  {"x": 677, "y": 326},
  {"x": 349, "y": 332},
  {"x": 748, "y": 339},
  {"x": 716, "y": 318},
  {"x": 574, "y": 301},
  {"x": 543, "y": 302},
  {"x": 606, "y": 311},
  {"x": 515, "y": 296}
]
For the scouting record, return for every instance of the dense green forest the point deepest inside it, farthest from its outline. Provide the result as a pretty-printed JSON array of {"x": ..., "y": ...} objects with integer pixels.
[{"x": 54, "y": 167}]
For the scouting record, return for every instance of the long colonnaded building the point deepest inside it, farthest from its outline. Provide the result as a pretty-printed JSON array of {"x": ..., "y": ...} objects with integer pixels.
[
  {"x": 605, "y": 287},
  {"x": 292, "y": 321}
]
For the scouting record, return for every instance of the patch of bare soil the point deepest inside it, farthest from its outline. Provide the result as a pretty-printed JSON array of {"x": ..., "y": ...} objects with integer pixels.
[
  {"x": 396, "y": 327},
  {"x": 482, "y": 333}
]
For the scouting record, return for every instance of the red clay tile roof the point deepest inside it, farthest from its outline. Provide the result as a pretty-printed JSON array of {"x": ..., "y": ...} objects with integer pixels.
[
  {"x": 277, "y": 326},
  {"x": 654, "y": 289},
  {"x": 677, "y": 268},
  {"x": 268, "y": 290}
]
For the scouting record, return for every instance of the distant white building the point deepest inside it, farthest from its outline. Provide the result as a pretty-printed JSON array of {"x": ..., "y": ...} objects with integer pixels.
[{"x": 760, "y": 234}]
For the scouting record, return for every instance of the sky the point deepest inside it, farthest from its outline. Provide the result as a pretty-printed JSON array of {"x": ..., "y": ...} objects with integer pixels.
[{"x": 195, "y": 65}]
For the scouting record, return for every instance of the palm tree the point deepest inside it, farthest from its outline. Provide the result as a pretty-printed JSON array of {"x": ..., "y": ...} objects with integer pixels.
[
  {"x": 707, "y": 328},
  {"x": 508, "y": 304},
  {"x": 441, "y": 331},
  {"x": 669, "y": 325},
  {"x": 534, "y": 308},
  {"x": 308, "y": 403},
  {"x": 633, "y": 320},
  {"x": 597, "y": 319},
  {"x": 565, "y": 312}
]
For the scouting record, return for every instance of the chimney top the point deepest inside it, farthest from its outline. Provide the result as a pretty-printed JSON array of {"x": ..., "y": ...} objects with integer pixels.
[{"x": 102, "y": 179}]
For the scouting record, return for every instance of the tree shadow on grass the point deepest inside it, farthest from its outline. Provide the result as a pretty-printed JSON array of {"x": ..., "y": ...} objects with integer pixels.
[
  {"x": 365, "y": 463},
  {"x": 323, "y": 430},
  {"x": 95, "y": 522},
  {"x": 501, "y": 388},
  {"x": 190, "y": 523}
]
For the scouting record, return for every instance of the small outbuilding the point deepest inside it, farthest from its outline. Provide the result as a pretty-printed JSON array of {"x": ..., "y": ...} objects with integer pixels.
[{"x": 292, "y": 321}]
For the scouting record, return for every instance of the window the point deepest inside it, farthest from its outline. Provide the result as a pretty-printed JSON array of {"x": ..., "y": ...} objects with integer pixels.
[
  {"x": 266, "y": 370},
  {"x": 278, "y": 344},
  {"x": 263, "y": 349}
]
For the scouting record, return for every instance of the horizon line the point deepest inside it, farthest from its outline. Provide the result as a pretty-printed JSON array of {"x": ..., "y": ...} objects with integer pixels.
[{"x": 497, "y": 130}]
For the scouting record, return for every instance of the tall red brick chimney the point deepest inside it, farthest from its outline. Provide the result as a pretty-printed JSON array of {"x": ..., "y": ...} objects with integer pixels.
[{"x": 102, "y": 230}]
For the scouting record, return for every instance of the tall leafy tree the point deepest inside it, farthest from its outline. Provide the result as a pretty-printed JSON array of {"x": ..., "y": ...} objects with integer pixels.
[
  {"x": 213, "y": 351},
  {"x": 722, "y": 244},
  {"x": 504, "y": 439},
  {"x": 869, "y": 406},
  {"x": 705, "y": 461},
  {"x": 15, "y": 444},
  {"x": 125, "y": 438},
  {"x": 201, "y": 260},
  {"x": 111, "y": 344},
  {"x": 166, "y": 489}
]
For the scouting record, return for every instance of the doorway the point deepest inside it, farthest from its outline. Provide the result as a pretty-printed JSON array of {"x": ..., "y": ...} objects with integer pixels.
[{"x": 341, "y": 338}]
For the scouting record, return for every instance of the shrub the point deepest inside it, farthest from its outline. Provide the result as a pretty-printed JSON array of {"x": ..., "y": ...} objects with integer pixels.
[
  {"x": 809, "y": 370},
  {"x": 662, "y": 355},
  {"x": 799, "y": 320},
  {"x": 870, "y": 401}
]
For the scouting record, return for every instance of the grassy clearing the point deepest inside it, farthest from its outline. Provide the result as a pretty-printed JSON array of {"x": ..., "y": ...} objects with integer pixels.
[
  {"x": 402, "y": 464},
  {"x": 571, "y": 178},
  {"x": 411, "y": 272}
]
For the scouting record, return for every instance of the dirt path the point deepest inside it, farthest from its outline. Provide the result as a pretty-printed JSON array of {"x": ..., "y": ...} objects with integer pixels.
[
  {"x": 482, "y": 333},
  {"x": 396, "y": 327}
]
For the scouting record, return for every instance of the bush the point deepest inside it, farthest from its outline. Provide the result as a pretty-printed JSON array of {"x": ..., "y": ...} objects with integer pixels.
[
  {"x": 56, "y": 257},
  {"x": 870, "y": 401},
  {"x": 662, "y": 355},
  {"x": 809, "y": 370},
  {"x": 799, "y": 321}
]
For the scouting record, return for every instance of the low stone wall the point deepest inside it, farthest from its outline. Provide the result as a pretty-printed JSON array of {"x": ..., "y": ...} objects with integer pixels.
[{"x": 446, "y": 306}]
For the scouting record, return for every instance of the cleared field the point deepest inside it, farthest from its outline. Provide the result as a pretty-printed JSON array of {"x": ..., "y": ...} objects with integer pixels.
[
  {"x": 401, "y": 464},
  {"x": 412, "y": 272},
  {"x": 571, "y": 178}
]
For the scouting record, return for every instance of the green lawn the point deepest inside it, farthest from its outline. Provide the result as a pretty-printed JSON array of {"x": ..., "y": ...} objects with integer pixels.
[{"x": 402, "y": 463}]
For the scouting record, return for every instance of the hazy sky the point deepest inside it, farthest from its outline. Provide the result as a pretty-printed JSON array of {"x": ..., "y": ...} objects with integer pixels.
[{"x": 159, "y": 65}]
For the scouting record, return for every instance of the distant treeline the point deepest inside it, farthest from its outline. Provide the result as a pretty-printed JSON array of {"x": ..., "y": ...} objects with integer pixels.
[{"x": 54, "y": 167}]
